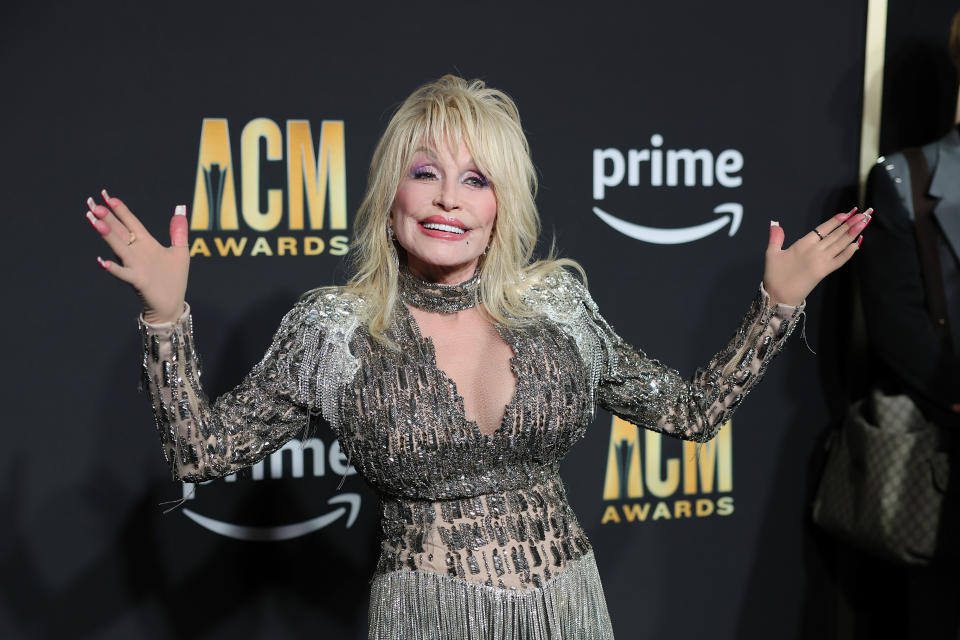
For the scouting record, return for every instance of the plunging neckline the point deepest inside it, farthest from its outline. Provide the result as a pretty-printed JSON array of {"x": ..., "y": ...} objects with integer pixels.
[{"x": 508, "y": 409}]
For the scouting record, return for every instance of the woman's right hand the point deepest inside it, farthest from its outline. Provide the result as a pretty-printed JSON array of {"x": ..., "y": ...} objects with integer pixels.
[{"x": 157, "y": 273}]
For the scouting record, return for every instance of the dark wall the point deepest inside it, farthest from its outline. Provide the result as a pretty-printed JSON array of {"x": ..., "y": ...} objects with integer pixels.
[{"x": 115, "y": 95}]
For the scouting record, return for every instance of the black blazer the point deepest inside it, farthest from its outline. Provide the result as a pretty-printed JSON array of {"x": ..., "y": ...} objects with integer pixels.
[{"x": 908, "y": 356}]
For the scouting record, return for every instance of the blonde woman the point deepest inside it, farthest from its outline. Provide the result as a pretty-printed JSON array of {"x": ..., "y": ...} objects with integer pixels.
[{"x": 455, "y": 371}]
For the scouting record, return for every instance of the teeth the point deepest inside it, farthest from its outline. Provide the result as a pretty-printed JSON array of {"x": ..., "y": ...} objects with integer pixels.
[{"x": 442, "y": 227}]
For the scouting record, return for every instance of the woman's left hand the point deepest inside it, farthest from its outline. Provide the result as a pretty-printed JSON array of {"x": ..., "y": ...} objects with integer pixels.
[{"x": 790, "y": 274}]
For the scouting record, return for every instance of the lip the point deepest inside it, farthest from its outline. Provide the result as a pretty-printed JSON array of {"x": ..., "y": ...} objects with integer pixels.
[
  {"x": 444, "y": 235},
  {"x": 453, "y": 222}
]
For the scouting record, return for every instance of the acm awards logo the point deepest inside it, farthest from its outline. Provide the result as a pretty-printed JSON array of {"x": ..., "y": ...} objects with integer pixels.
[
  {"x": 644, "y": 483},
  {"x": 662, "y": 168},
  {"x": 301, "y": 215},
  {"x": 290, "y": 461}
]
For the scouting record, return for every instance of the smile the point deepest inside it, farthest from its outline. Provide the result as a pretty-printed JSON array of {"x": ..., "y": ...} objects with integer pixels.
[{"x": 436, "y": 226}]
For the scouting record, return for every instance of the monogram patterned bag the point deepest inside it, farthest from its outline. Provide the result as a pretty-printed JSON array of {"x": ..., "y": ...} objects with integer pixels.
[{"x": 884, "y": 483}]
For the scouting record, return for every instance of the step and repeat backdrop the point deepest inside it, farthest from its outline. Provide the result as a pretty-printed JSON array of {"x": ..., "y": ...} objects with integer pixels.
[{"x": 667, "y": 136}]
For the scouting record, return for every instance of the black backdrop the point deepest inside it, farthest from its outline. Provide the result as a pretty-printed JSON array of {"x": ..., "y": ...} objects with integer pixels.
[{"x": 111, "y": 94}]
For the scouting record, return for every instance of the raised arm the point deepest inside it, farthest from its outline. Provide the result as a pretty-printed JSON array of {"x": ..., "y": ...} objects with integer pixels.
[
  {"x": 649, "y": 394},
  {"x": 200, "y": 440},
  {"x": 203, "y": 440}
]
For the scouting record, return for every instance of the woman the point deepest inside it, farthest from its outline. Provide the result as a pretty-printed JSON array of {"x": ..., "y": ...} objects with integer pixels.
[{"x": 455, "y": 373}]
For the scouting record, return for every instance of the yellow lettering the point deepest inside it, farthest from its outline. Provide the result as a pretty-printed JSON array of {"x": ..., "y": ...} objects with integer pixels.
[
  {"x": 713, "y": 459},
  {"x": 199, "y": 245},
  {"x": 261, "y": 246},
  {"x": 230, "y": 246},
  {"x": 214, "y": 193},
  {"x": 339, "y": 245},
  {"x": 610, "y": 515},
  {"x": 322, "y": 176},
  {"x": 704, "y": 507},
  {"x": 660, "y": 487},
  {"x": 286, "y": 244},
  {"x": 635, "y": 511},
  {"x": 724, "y": 505},
  {"x": 256, "y": 130},
  {"x": 623, "y": 462},
  {"x": 681, "y": 509},
  {"x": 312, "y": 246},
  {"x": 661, "y": 511}
]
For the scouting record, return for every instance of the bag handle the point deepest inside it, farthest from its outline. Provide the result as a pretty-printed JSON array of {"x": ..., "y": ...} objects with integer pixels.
[{"x": 923, "y": 205}]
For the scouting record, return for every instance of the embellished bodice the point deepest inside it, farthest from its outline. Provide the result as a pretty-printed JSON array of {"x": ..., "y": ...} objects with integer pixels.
[
  {"x": 456, "y": 501},
  {"x": 486, "y": 508}
]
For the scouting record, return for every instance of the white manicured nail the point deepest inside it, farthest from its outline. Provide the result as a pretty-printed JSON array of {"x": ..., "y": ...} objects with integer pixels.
[
  {"x": 774, "y": 223},
  {"x": 106, "y": 196},
  {"x": 181, "y": 210},
  {"x": 91, "y": 203},
  {"x": 92, "y": 218}
]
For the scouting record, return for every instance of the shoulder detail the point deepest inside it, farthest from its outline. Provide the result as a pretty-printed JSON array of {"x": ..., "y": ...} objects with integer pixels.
[
  {"x": 557, "y": 295},
  {"x": 321, "y": 326},
  {"x": 563, "y": 300}
]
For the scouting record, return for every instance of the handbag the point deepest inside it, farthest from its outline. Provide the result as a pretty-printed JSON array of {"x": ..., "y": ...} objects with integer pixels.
[{"x": 885, "y": 479}]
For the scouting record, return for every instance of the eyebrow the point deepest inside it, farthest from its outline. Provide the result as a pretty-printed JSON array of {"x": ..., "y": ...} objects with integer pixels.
[{"x": 430, "y": 153}]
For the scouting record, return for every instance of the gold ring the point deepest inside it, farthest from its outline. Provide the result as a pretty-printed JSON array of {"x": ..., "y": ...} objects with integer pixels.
[{"x": 133, "y": 238}]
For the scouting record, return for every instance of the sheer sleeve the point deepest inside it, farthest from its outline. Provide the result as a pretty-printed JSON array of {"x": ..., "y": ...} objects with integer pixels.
[
  {"x": 651, "y": 395},
  {"x": 203, "y": 440}
]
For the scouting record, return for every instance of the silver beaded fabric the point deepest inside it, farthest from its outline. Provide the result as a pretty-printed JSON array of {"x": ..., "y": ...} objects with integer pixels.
[{"x": 478, "y": 538}]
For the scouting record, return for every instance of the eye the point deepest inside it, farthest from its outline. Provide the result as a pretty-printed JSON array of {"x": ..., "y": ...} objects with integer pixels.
[
  {"x": 476, "y": 179},
  {"x": 423, "y": 172}
]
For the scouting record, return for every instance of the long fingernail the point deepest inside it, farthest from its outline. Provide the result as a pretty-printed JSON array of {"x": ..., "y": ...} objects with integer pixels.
[
  {"x": 859, "y": 241},
  {"x": 868, "y": 213},
  {"x": 181, "y": 210},
  {"x": 106, "y": 196},
  {"x": 103, "y": 263},
  {"x": 91, "y": 204},
  {"x": 92, "y": 219},
  {"x": 851, "y": 212},
  {"x": 774, "y": 223}
]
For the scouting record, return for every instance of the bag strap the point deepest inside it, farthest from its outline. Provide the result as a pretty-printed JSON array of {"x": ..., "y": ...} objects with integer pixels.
[{"x": 927, "y": 244}]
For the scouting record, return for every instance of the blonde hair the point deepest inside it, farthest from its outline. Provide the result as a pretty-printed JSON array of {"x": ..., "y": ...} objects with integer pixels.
[{"x": 450, "y": 111}]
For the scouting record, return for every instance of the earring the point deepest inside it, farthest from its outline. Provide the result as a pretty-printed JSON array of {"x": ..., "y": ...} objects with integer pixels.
[
  {"x": 391, "y": 240},
  {"x": 485, "y": 249}
]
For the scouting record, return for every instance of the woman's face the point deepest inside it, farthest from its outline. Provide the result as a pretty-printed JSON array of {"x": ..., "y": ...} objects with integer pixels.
[{"x": 443, "y": 214}]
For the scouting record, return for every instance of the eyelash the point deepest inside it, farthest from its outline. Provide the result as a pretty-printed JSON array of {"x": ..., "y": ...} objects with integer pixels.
[{"x": 477, "y": 180}]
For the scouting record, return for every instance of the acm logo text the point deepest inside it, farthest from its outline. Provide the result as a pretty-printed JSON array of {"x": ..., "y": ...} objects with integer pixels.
[{"x": 285, "y": 219}]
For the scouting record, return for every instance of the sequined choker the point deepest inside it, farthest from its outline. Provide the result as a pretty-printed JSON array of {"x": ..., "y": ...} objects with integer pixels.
[{"x": 439, "y": 298}]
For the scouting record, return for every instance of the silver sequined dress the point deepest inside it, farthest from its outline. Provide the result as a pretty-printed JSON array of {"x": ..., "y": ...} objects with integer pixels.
[{"x": 478, "y": 539}]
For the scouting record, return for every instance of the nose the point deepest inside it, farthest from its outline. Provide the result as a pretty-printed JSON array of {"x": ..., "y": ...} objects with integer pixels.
[{"x": 446, "y": 197}]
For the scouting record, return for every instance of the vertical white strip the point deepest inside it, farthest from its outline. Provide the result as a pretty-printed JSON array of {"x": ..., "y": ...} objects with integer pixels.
[{"x": 872, "y": 88}]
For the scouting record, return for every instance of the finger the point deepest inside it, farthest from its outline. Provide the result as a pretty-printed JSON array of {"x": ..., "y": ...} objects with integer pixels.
[
  {"x": 178, "y": 227},
  {"x": 776, "y": 236},
  {"x": 847, "y": 252},
  {"x": 98, "y": 209},
  {"x": 104, "y": 213},
  {"x": 855, "y": 227},
  {"x": 129, "y": 220},
  {"x": 113, "y": 232},
  {"x": 835, "y": 222},
  {"x": 116, "y": 270},
  {"x": 845, "y": 233}
]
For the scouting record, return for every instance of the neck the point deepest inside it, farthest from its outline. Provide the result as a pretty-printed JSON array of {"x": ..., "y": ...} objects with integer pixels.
[
  {"x": 442, "y": 275},
  {"x": 438, "y": 297}
]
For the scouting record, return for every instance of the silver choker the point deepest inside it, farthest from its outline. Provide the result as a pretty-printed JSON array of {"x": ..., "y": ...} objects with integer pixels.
[{"x": 439, "y": 298}]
